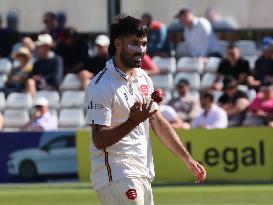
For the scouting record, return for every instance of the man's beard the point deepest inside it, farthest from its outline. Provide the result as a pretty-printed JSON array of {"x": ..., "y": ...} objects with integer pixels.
[{"x": 129, "y": 62}]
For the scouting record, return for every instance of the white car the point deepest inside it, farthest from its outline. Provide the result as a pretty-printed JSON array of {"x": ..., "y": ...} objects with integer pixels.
[{"x": 56, "y": 157}]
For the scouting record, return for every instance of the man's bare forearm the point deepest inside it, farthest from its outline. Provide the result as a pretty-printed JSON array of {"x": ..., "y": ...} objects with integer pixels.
[
  {"x": 104, "y": 136},
  {"x": 168, "y": 136}
]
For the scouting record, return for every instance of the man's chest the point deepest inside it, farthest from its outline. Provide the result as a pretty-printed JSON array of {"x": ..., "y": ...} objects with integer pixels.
[{"x": 137, "y": 90}]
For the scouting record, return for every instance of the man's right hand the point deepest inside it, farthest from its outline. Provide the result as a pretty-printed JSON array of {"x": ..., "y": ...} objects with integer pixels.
[{"x": 139, "y": 112}]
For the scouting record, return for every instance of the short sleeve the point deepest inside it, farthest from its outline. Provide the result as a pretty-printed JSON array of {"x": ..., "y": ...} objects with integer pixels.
[{"x": 99, "y": 107}]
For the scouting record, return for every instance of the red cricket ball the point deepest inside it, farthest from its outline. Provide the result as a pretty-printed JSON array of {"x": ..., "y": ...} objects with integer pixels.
[{"x": 158, "y": 95}]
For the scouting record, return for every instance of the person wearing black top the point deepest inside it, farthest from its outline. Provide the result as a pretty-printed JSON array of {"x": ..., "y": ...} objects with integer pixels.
[
  {"x": 97, "y": 62},
  {"x": 73, "y": 50},
  {"x": 233, "y": 101},
  {"x": 233, "y": 65},
  {"x": 47, "y": 71}
]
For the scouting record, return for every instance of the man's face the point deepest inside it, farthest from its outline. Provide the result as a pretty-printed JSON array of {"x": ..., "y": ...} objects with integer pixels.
[
  {"x": 42, "y": 50},
  {"x": 231, "y": 91},
  {"x": 146, "y": 20},
  {"x": 233, "y": 54},
  {"x": 203, "y": 102},
  {"x": 131, "y": 50},
  {"x": 186, "y": 19},
  {"x": 48, "y": 20},
  {"x": 183, "y": 89}
]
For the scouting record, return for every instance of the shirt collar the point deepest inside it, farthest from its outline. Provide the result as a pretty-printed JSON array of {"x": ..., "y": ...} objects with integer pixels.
[{"x": 115, "y": 70}]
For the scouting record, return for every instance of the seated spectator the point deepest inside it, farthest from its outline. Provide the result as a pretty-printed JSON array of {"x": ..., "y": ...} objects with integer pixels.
[
  {"x": 43, "y": 120},
  {"x": 73, "y": 51},
  {"x": 19, "y": 74},
  {"x": 47, "y": 71},
  {"x": 9, "y": 35},
  {"x": 97, "y": 62},
  {"x": 50, "y": 23},
  {"x": 172, "y": 117},
  {"x": 233, "y": 65},
  {"x": 263, "y": 72},
  {"x": 260, "y": 111},
  {"x": 148, "y": 65},
  {"x": 213, "y": 116},
  {"x": 234, "y": 102},
  {"x": 29, "y": 43},
  {"x": 158, "y": 42},
  {"x": 186, "y": 105},
  {"x": 198, "y": 35}
]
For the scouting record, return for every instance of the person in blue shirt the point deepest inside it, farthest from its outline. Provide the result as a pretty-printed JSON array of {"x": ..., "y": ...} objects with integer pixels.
[{"x": 158, "y": 42}]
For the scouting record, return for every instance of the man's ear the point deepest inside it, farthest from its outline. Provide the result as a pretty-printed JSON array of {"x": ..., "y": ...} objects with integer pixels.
[{"x": 117, "y": 43}]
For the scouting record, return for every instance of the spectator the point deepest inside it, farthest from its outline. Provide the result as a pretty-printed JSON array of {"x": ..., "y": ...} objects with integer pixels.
[
  {"x": 217, "y": 21},
  {"x": 73, "y": 51},
  {"x": 61, "y": 23},
  {"x": 49, "y": 20},
  {"x": 233, "y": 65},
  {"x": 9, "y": 35},
  {"x": 234, "y": 102},
  {"x": 97, "y": 62},
  {"x": 19, "y": 74},
  {"x": 263, "y": 71},
  {"x": 260, "y": 111},
  {"x": 148, "y": 65},
  {"x": 29, "y": 43},
  {"x": 213, "y": 116},
  {"x": 43, "y": 119},
  {"x": 186, "y": 105},
  {"x": 172, "y": 117},
  {"x": 198, "y": 35},
  {"x": 158, "y": 42},
  {"x": 47, "y": 71}
]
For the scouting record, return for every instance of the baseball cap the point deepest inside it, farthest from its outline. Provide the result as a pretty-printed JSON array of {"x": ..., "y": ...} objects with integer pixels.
[
  {"x": 266, "y": 43},
  {"x": 41, "y": 101},
  {"x": 102, "y": 40},
  {"x": 44, "y": 39}
]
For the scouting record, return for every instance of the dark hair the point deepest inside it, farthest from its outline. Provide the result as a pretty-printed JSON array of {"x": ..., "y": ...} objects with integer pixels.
[
  {"x": 125, "y": 25},
  {"x": 207, "y": 94},
  {"x": 147, "y": 15},
  {"x": 51, "y": 14},
  {"x": 70, "y": 32},
  {"x": 183, "y": 82},
  {"x": 182, "y": 12},
  {"x": 232, "y": 46}
]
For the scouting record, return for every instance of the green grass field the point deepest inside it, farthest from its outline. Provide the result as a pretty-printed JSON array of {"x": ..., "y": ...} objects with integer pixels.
[{"x": 80, "y": 194}]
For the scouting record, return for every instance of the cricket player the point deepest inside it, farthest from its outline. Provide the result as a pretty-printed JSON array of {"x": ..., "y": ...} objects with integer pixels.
[{"x": 120, "y": 111}]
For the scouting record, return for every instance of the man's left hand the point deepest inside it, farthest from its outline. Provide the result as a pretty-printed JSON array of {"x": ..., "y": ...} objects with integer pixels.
[{"x": 197, "y": 170}]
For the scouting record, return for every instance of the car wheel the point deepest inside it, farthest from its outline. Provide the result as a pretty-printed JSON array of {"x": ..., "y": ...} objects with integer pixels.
[{"x": 27, "y": 170}]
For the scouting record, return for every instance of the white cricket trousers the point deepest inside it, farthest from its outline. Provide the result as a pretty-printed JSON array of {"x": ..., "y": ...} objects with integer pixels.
[{"x": 132, "y": 191}]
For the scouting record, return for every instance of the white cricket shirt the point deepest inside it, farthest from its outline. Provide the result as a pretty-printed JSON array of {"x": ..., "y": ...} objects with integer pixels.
[{"x": 110, "y": 95}]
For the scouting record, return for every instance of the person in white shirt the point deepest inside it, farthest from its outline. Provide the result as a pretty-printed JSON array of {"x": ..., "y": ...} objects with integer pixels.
[
  {"x": 43, "y": 119},
  {"x": 213, "y": 116},
  {"x": 198, "y": 35},
  {"x": 119, "y": 112}
]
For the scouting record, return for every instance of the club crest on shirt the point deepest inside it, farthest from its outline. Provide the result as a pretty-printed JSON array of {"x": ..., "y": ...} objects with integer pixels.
[
  {"x": 144, "y": 90},
  {"x": 131, "y": 194}
]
